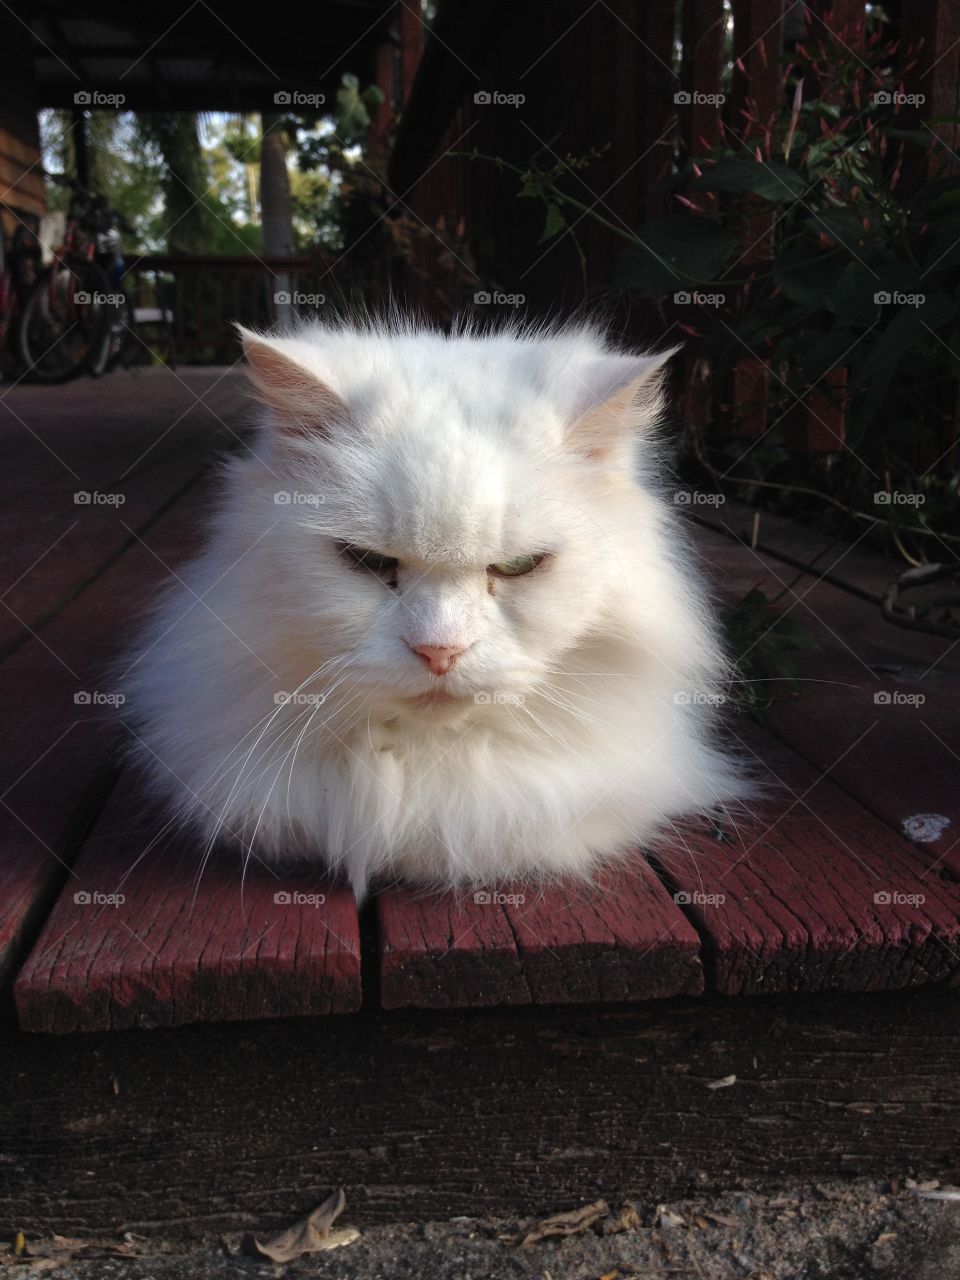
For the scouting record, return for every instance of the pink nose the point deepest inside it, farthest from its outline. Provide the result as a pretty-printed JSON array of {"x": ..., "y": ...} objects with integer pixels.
[{"x": 438, "y": 658}]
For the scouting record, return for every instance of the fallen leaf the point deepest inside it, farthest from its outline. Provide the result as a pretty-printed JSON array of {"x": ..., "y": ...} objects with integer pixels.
[
  {"x": 885, "y": 1237},
  {"x": 19, "y": 1245},
  {"x": 723, "y": 1221},
  {"x": 566, "y": 1224},
  {"x": 311, "y": 1235},
  {"x": 723, "y": 1083},
  {"x": 626, "y": 1220},
  {"x": 667, "y": 1218}
]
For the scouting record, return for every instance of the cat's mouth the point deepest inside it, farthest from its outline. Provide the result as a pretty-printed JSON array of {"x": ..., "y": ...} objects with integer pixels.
[{"x": 435, "y": 698}]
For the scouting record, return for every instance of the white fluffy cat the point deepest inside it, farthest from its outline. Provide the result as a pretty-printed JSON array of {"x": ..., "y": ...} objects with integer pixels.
[{"x": 444, "y": 628}]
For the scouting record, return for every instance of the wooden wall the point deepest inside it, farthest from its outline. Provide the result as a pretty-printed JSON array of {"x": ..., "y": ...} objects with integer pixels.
[{"x": 22, "y": 193}]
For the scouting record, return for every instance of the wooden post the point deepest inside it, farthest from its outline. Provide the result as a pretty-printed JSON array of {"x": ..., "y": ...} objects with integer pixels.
[{"x": 703, "y": 26}]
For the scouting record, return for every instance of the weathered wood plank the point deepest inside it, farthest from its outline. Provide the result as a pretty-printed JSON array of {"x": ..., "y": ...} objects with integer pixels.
[
  {"x": 620, "y": 939},
  {"x": 887, "y": 700},
  {"x": 811, "y": 891},
  {"x": 140, "y": 938},
  {"x": 57, "y": 538},
  {"x": 425, "y": 1115},
  {"x": 52, "y": 770}
]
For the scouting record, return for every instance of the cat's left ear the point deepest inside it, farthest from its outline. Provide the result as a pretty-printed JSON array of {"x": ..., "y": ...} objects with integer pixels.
[
  {"x": 282, "y": 373},
  {"x": 619, "y": 396}
]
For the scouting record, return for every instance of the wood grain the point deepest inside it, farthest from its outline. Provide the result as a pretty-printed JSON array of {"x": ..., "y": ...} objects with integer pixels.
[
  {"x": 140, "y": 938},
  {"x": 621, "y": 938}
]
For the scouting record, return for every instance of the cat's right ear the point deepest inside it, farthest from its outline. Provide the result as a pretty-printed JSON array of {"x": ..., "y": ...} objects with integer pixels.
[{"x": 305, "y": 404}]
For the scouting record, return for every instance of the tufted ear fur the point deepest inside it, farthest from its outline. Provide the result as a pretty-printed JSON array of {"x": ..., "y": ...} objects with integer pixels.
[
  {"x": 304, "y": 401},
  {"x": 620, "y": 396}
]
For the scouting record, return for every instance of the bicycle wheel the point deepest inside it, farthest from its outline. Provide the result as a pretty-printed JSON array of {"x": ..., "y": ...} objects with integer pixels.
[
  {"x": 63, "y": 326},
  {"x": 121, "y": 337}
]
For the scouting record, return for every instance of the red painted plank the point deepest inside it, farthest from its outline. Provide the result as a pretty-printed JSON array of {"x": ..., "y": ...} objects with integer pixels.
[
  {"x": 619, "y": 939},
  {"x": 144, "y": 443},
  {"x": 812, "y": 891},
  {"x": 887, "y": 700},
  {"x": 50, "y": 767},
  {"x": 140, "y": 939}
]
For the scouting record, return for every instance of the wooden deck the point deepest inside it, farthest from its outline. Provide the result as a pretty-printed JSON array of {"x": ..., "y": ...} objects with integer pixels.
[{"x": 846, "y": 876}]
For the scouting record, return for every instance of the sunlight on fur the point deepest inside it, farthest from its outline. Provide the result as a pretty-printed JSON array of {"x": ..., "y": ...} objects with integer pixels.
[{"x": 445, "y": 628}]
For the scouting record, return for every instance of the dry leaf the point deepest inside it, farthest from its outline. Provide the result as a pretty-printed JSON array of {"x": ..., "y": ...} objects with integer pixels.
[
  {"x": 721, "y": 1220},
  {"x": 311, "y": 1235},
  {"x": 626, "y": 1220},
  {"x": 667, "y": 1218},
  {"x": 885, "y": 1237},
  {"x": 723, "y": 1083},
  {"x": 567, "y": 1224}
]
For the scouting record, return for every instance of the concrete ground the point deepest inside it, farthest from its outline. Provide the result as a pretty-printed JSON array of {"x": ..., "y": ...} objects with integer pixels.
[{"x": 835, "y": 1230}]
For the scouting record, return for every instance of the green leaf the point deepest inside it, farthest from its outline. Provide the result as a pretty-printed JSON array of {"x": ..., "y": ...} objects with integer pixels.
[
  {"x": 768, "y": 178},
  {"x": 674, "y": 251},
  {"x": 555, "y": 222}
]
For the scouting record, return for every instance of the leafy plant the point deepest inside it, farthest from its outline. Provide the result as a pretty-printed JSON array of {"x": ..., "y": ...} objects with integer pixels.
[{"x": 824, "y": 245}]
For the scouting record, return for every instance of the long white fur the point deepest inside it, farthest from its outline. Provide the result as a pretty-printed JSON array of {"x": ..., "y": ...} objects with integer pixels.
[{"x": 582, "y": 720}]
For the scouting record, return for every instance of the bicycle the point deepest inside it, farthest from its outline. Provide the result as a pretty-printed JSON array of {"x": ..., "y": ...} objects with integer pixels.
[{"x": 73, "y": 318}]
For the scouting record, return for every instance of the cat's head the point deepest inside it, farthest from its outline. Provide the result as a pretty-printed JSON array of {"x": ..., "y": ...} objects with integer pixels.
[{"x": 449, "y": 514}]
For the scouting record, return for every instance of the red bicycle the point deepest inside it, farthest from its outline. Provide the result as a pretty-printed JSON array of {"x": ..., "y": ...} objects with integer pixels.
[{"x": 69, "y": 319}]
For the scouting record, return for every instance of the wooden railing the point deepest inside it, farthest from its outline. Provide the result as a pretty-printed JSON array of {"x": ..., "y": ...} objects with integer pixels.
[{"x": 196, "y": 300}]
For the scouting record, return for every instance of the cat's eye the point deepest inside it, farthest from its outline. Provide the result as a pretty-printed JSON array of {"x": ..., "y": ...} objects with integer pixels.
[
  {"x": 364, "y": 559},
  {"x": 518, "y": 567}
]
